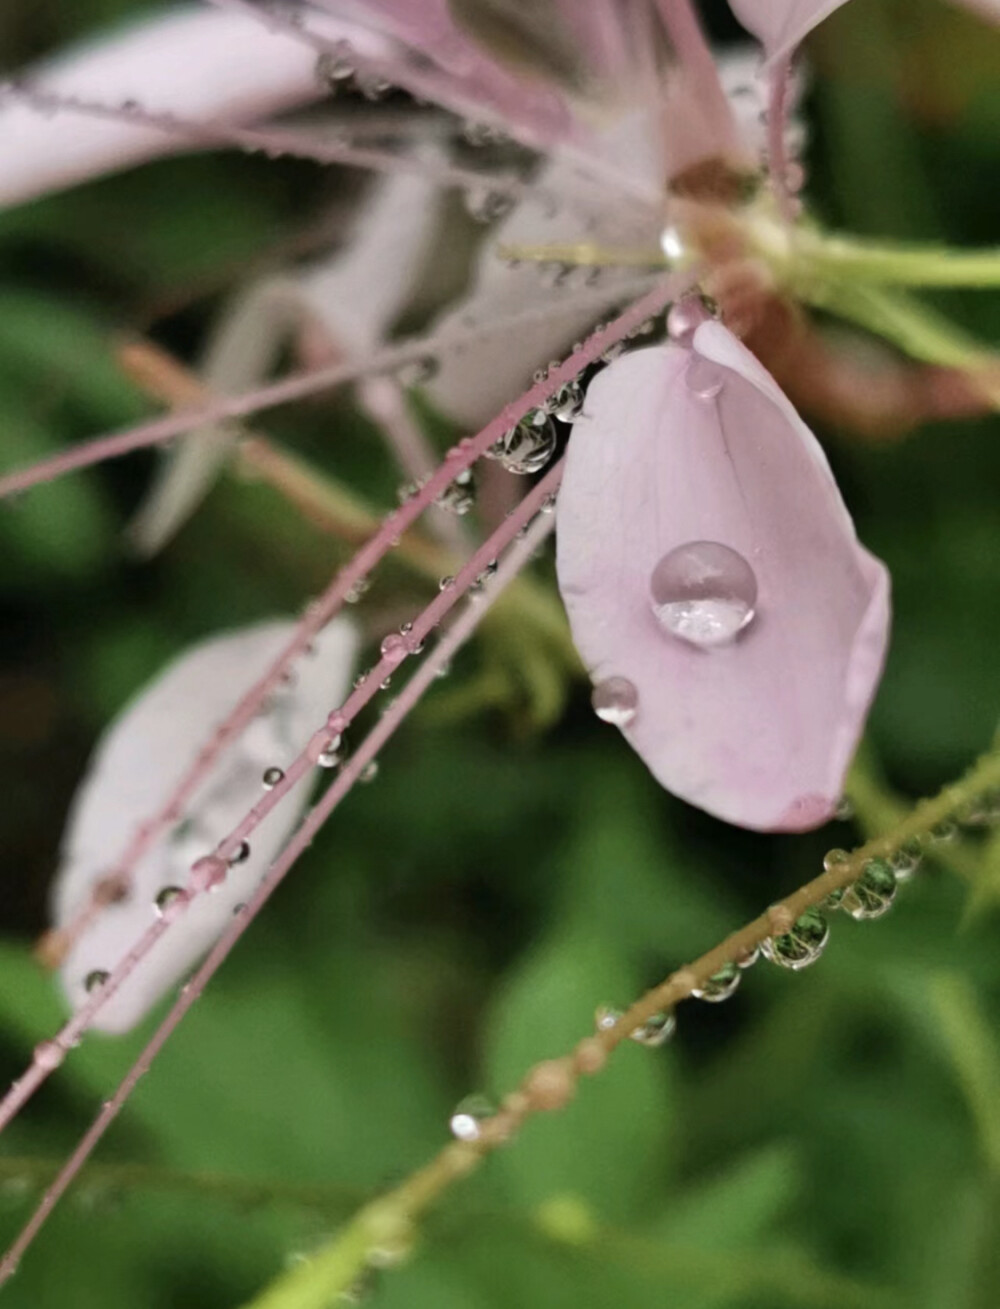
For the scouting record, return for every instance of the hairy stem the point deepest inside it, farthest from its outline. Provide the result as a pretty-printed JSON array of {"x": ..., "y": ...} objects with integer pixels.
[{"x": 551, "y": 1084}]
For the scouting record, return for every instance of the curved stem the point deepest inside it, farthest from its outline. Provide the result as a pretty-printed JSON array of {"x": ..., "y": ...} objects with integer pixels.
[{"x": 336, "y": 1267}]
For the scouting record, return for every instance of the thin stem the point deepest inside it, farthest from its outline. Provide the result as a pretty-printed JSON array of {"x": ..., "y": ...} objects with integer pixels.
[
  {"x": 895, "y": 265},
  {"x": 777, "y": 123},
  {"x": 298, "y": 386},
  {"x": 424, "y": 677},
  {"x": 317, "y": 615},
  {"x": 550, "y": 1085},
  {"x": 275, "y": 143}
]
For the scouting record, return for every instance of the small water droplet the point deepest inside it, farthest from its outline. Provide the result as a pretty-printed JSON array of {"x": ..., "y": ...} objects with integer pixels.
[
  {"x": 801, "y": 946},
  {"x": 369, "y": 772},
  {"x": 567, "y": 402},
  {"x": 873, "y": 893},
  {"x": 703, "y": 592},
  {"x": 834, "y": 859},
  {"x": 466, "y": 1123},
  {"x": 906, "y": 860},
  {"x": 720, "y": 986},
  {"x": 335, "y": 66},
  {"x": 703, "y": 378},
  {"x": 749, "y": 959},
  {"x": 605, "y": 1017},
  {"x": 94, "y": 979},
  {"x": 394, "y": 649},
  {"x": 208, "y": 873},
  {"x": 615, "y": 700},
  {"x": 459, "y": 496},
  {"x": 446, "y": 583},
  {"x": 946, "y": 830},
  {"x": 486, "y": 205},
  {"x": 528, "y": 447},
  {"x": 271, "y": 777},
  {"x": 240, "y": 855},
  {"x": 356, "y": 590},
  {"x": 329, "y": 756},
  {"x": 168, "y": 901},
  {"x": 684, "y": 318},
  {"x": 655, "y": 1031}
]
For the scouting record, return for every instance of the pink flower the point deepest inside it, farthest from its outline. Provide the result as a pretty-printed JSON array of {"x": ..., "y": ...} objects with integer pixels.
[{"x": 759, "y": 731}]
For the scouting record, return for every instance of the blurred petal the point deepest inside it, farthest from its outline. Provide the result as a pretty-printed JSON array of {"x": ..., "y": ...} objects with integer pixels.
[
  {"x": 196, "y": 63},
  {"x": 779, "y": 25},
  {"x": 759, "y": 732},
  {"x": 141, "y": 757},
  {"x": 356, "y": 294}
]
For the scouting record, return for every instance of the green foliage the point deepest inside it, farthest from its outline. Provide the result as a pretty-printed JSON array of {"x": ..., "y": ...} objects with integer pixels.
[{"x": 825, "y": 1139}]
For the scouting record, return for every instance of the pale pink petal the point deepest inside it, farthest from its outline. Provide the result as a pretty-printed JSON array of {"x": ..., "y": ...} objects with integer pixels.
[
  {"x": 989, "y": 10},
  {"x": 138, "y": 761},
  {"x": 779, "y": 25},
  {"x": 356, "y": 294},
  {"x": 198, "y": 63},
  {"x": 473, "y": 83},
  {"x": 759, "y": 731}
]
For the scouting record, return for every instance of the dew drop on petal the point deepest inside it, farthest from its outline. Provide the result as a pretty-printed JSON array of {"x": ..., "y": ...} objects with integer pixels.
[
  {"x": 703, "y": 592},
  {"x": 615, "y": 700},
  {"x": 703, "y": 378}
]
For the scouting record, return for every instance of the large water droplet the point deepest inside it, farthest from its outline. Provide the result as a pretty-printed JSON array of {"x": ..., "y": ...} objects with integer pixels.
[
  {"x": 655, "y": 1031},
  {"x": 615, "y": 701},
  {"x": 459, "y": 496},
  {"x": 529, "y": 446},
  {"x": 703, "y": 592}
]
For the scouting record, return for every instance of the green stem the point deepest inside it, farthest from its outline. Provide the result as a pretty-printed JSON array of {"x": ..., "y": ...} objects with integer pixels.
[{"x": 843, "y": 259}]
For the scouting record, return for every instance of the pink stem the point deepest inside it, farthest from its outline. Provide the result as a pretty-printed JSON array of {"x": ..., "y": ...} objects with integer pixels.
[
  {"x": 459, "y": 458},
  {"x": 273, "y": 142},
  {"x": 424, "y": 677},
  {"x": 777, "y": 155},
  {"x": 297, "y": 387}
]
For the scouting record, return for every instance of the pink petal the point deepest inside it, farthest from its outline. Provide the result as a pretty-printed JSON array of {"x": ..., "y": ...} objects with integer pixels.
[
  {"x": 195, "y": 63},
  {"x": 141, "y": 757},
  {"x": 779, "y": 25},
  {"x": 759, "y": 732}
]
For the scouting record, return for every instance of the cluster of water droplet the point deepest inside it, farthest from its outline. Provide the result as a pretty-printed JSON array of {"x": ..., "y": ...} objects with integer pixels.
[{"x": 338, "y": 70}]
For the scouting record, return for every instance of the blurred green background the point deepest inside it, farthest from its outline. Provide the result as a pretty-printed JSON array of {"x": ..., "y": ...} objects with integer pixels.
[{"x": 830, "y": 1138}]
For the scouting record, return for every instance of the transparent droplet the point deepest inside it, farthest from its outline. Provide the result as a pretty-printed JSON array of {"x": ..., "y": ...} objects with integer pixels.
[
  {"x": 466, "y": 1123},
  {"x": 800, "y": 947},
  {"x": 946, "y": 830},
  {"x": 906, "y": 860},
  {"x": 394, "y": 649},
  {"x": 703, "y": 378},
  {"x": 208, "y": 872},
  {"x": 605, "y": 1017},
  {"x": 166, "y": 899},
  {"x": 369, "y": 772},
  {"x": 567, "y": 402},
  {"x": 720, "y": 985},
  {"x": 873, "y": 893},
  {"x": 655, "y": 1031},
  {"x": 446, "y": 583},
  {"x": 529, "y": 446},
  {"x": 336, "y": 65},
  {"x": 615, "y": 700},
  {"x": 834, "y": 859},
  {"x": 372, "y": 85},
  {"x": 240, "y": 855},
  {"x": 271, "y": 777},
  {"x": 329, "y": 756},
  {"x": 749, "y": 959},
  {"x": 459, "y": 496},
  {"x": 94, "y": 979},
  {"x": 844, "y": 811},
  {"x": 486, "y": 205},
  {"x": 686, "y": 315},
  {"x": 356, "y": 590},
  {"x": 703, "y": 592}
]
